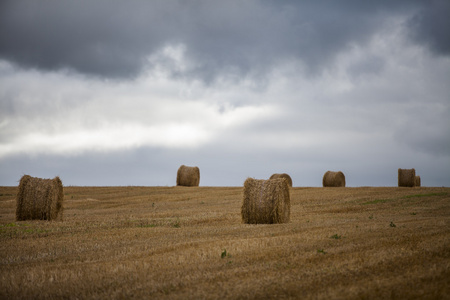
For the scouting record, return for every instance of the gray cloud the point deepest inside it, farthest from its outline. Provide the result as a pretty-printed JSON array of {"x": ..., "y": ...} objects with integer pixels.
[
  {"x": 115, "y": 38},
  {"x": 430, "y": 26},
  {"x": 427, "y": 130},
  {"x": 108, "y": 38}
]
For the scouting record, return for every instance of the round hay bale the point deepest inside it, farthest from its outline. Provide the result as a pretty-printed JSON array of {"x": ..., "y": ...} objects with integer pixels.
[
  {"x": 333, "y": 179},
  {"x": 406, "y": 177},
  {"x": 417, "y": 181},
  {"x": 39, "y": 199},
  {"x": 266, "y": 201},
  {"x": 188, "y": 176},
  {"x": 282, "y": 175}
]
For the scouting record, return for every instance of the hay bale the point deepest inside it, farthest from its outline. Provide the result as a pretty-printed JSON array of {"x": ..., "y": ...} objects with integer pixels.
[
  {"x": 282, "y": 175},
  {"x": 266, "y": 201},
  {"x": 333, "y": 179},
  {"x": 39, "y": 199},
  {"x": 417, "y": 181},
  {"x": 188, "y": 176},
  {"x": 406, "y": 177}
]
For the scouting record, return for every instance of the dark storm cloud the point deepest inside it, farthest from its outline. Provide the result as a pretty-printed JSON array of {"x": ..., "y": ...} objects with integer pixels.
[
  {"x": 107, "y": 38},
  {"x": 114, "y": 38},
  {"x": 431, "y": 26}
]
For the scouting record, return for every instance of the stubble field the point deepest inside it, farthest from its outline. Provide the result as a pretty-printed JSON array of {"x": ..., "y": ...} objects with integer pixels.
[{"x": 179, "y": 243}]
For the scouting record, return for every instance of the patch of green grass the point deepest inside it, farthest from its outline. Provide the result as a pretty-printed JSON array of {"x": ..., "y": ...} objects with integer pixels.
[
  {"x": 176, "y": 224},
  {"x": 392, "y": 224},
  {"x": 225, "y": 254},
  {"x": 376, "y": 201},
  {"x": 321, "y": 251},
  {"x": 14, "y": 225},
  {"x": 424, "y": 195},
  {"x": 36, "y": 230},
  {"x": 335, "y": 236},
  {"x": 12, "y": 230}
]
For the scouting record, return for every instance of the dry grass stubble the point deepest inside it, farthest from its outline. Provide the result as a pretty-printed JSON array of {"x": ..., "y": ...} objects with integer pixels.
[{"x": 177, "y": 243}]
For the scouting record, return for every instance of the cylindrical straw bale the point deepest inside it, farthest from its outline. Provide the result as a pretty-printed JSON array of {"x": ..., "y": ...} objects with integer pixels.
[
  {"x": 39, "y": 199},
  {"x": 417, "y": 181},
  {"x": 266, "y": 201},
  {"x": 282, "y": 175},
  {"x": 188, "y": 176},
  {"x": 333, "y": 179},
  {"x": 406, "y": 177}
]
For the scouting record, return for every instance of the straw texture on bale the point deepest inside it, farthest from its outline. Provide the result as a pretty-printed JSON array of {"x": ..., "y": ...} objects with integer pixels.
[
  {"x": 188, "y": 176},
  {"x": 333, "y": 179},
  {"x": 282, "y": 175},
  {"x": 417, "y": 181},
  {"x": 406, "y": 177},
  {"x": 266, "y": 201},
  {"x": 39, "y": 199}
]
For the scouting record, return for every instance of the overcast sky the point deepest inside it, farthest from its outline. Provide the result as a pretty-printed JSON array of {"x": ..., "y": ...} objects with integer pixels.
[{"x": 111, "y": 92}]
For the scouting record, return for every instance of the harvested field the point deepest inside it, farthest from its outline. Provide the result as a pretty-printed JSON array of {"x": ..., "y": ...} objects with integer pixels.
[{"x": 190, "y": 242}]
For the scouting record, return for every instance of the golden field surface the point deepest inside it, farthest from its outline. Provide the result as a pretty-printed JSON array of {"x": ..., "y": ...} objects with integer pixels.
[{"x": 190, "y": 243}]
